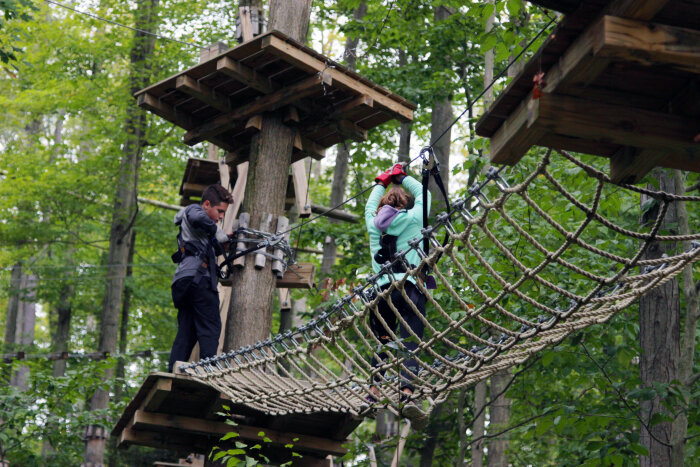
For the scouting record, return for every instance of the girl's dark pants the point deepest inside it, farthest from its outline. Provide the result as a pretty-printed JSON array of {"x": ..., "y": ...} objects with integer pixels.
[
  {"x": 414, "y": 323},
  {"x": 198, "y": 319}
]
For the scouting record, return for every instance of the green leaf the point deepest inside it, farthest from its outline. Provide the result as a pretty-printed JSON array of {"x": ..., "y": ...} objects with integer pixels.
[
  {"x": 639, "y": 449},
  {"x": 229, "y": 435}
]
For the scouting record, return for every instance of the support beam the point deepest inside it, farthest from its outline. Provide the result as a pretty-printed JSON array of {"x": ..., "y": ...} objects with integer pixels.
[
  {"x": 270, "y": 102},
  {"x": 202, "y": 93},
  {"x": 625, "y": 126},
  {"x": 158, "y": 393},
  {"x": 643, "y": 10},
  {"x": 146, "y": 421},
  {"x": 630, "y": 165},
  {"x": 649, "y": 44},
  {"x": 153, "y": 104},
  {"x": 301, "y": 188},
  {"x": 246, "y": 75},
  {"x": 300, "y": 59}
]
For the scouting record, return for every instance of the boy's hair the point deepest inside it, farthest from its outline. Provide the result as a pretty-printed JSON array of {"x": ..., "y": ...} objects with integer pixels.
[
  {"x": 216, "y": 194},
  {"x": 397, "y": 198}
]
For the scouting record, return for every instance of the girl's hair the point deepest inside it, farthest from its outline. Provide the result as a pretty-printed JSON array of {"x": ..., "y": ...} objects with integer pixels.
[{"x": 397, "y": 198}]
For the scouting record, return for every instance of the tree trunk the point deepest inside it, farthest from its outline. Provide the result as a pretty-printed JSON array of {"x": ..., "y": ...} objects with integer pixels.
[
  {"x": 478, "y": 424},
  {"x": 440, "y": 120},
  {"x": 692, "y": 313},
  {"x": 340, "y": 170},
  {"x": 461, "y": 403},
  {"x": 26, "y": 319},
  {"x": 405, "y": 127},
  {"x": 432, "y": 431},
  {"x": 13, "y": 304},
  {"x": 123, "y": 215},
  {"x": 250, "y": 314},
  {"x": 64, "y": 310},
  {"x": 659, "y": 334},
  {"x": 499, "y": 416}
]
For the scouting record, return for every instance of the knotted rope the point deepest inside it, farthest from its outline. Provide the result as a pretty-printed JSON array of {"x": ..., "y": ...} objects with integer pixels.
[{"x": 511, "y": 278}]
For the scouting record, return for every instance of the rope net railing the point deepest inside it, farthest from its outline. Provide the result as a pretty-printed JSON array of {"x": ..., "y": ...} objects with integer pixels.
[{"x": 511, "y": 278}]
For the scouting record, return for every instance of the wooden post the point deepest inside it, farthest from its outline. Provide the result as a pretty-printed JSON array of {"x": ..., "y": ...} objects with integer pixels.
[
  {"x": 243, "y": 222},
  {"x": 301, "y": 187},
  {"x": 277, "y": 265},
  {"x": 265, "y": 224}
]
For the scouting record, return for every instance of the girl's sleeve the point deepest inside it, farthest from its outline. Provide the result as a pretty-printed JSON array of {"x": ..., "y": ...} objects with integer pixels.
[
  {"x": 372, "y": 204},
  {"x": 416, "y": 189}
]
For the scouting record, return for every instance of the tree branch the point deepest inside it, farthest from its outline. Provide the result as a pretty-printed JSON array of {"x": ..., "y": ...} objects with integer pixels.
[{"x": 622, "y": 398}]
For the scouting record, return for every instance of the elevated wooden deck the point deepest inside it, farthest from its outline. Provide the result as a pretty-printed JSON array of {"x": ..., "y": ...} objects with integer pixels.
[
  {"x": 222, "y": 99},
  {"x": 621, "y": 80},
  {"x": 178, "y": 413}
]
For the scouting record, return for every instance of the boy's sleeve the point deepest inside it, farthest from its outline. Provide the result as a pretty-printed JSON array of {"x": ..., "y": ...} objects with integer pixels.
[
  {"x": 416, "y": 189},
  {"x": 199, "y": 220}
]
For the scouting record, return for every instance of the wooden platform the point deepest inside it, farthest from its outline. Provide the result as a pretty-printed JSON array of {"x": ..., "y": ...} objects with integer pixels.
[
  {"x": 622, "y": 80},
  {"x": 178, "y": 413},
  {"x": 222, "y": 99},
  {"x": 199, "y": 174}
]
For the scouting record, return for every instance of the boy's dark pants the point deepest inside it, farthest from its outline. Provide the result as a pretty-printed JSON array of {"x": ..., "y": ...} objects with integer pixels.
[
  {"x": 412, "y": 319},
  {"x": 198, "y": 319}
]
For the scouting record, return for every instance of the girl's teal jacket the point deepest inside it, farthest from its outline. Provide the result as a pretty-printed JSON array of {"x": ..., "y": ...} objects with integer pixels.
[{"x": 406, "y": 225}]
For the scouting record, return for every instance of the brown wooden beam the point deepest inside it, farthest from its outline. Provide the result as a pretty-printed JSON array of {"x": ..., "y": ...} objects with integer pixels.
[
  {"x": 246, "y": 75},
  {"x": 643, "y": 10},
  {"x": 193, "y": 188},
  {"x": 608, "y": 123},
  {"x": 153, "y": 104},
  {"x": 202, "y": 93},
  {"x": 515, "y": 136},
  {"x": 149, "y": 422},
  {"x": 349, "y": 130},
  {"x": 298, "y": 276},
  {"x": 270, "y": 102},
  {"x": 302, "y": 60},
  {"x": 158, "y": 393},
  {"x": 335, "y": 214},
  {"x": 630, "y": 165},
  {"x": 650, "y": 44}
]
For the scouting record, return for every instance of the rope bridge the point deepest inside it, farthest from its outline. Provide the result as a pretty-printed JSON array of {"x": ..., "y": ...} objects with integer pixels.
[{"x": 511, "y": 278}]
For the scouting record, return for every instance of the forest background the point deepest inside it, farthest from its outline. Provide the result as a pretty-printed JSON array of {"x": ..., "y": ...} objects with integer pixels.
[{"x": 65, "y": 102}]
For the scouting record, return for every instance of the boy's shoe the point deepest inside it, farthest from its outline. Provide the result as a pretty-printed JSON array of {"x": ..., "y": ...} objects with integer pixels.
[{"x": 418, "y": 418}]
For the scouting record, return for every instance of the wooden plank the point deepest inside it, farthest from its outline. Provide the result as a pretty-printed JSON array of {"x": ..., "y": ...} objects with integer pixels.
[
  {"x": 568, "y": 143},
  {"x": 630, "y": 165},
  {"x": 285, "y": 300},
  {"x": 515, "y": 136},
  {"x": 301, "y": 188},
  {"x": 193, "y": 188},
  {"x": 158, "y": 393},
  {"x": 145, "y": 421},
  {"x": 311, "y": 64},
  {"x": 246, "y": 75},
  {"x": 312, "y": 149},
  {"x": 650, "y": 44},
  {"x": 265, "y": 226},
  {"x": 298, "y": 276},
  {"x": 350, "y": 130},
  {"x": 270, "y": 102},
  {"x": 277, "y": 265},
  {"x": 643, "y": 10},
  {"x": 202, "y": 93},
  {"x": 616, "y": 124}
]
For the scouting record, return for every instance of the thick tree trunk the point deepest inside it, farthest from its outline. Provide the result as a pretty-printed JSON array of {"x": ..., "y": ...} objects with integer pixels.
[
  {"x": 432, "y": 432},
  {"x": 659, "y": 334},
  {"x": 478, "y": 424},
  {"x": 499, "y": 416},
  {"x": 340, "y": 170},
  {"x": 123, "y": 215},
  {"x": 26, "y": 319},
  {"x": 461, "y": 404},
  {"x": 440, "y": 121},
  {"x": 250, "y": 314}
]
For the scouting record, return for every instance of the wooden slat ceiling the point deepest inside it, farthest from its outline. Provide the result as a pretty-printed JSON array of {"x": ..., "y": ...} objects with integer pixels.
[
  {"x": 221, "y": 100},
  {"x": 641, "y": 60}
]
